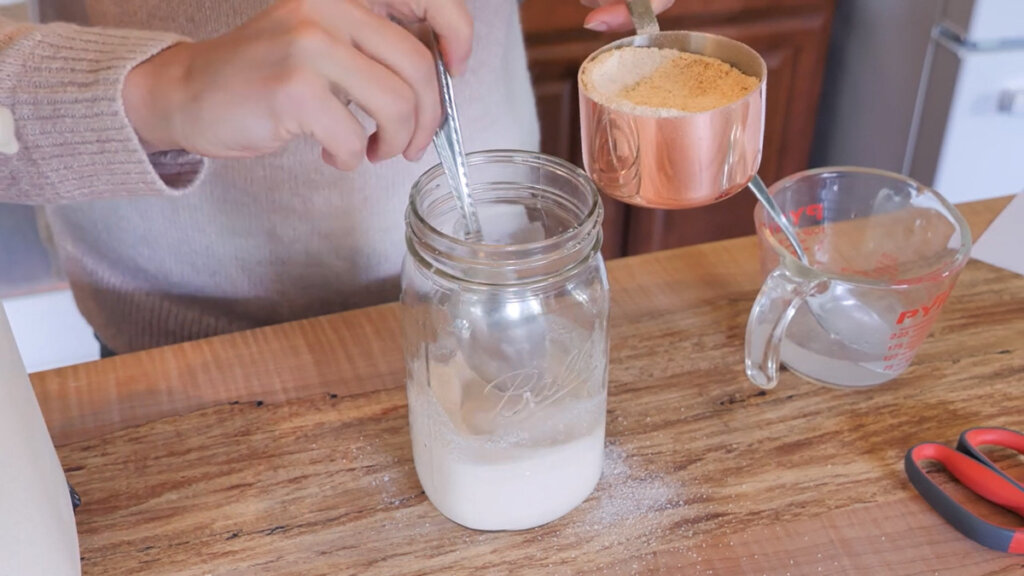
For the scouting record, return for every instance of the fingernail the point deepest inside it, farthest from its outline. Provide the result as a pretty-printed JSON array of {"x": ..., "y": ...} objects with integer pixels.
[
  {"x": 458, "y": 68},
  {"x": 414, "y": 156},
  {"x": 596, "y": 26}
]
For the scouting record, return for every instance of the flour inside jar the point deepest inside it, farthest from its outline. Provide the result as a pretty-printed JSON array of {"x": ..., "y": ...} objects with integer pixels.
[{"x": 514, "y": 453}]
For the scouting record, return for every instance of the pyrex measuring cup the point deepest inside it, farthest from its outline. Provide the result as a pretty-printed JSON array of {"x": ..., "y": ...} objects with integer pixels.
[{"x": 883, "y": 255}]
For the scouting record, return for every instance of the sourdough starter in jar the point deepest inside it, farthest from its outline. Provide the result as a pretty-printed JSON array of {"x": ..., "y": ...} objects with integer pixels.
[{"x": 506, "y": 342}]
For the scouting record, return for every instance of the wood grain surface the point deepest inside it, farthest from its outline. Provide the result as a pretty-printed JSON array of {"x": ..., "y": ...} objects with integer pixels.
[{"x": 704, "y": 473}]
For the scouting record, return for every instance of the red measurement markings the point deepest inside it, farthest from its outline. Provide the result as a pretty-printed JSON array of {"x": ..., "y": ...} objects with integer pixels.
[
  {"x": 816, "y": 211},
  {"x": 913, "y": 326},
  {"x": 807, "y": 235},
  {"x": 924, "y": 311}
]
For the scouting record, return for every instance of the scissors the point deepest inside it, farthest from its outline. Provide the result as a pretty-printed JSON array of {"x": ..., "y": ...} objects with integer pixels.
[{"x": 975, "y": 471}]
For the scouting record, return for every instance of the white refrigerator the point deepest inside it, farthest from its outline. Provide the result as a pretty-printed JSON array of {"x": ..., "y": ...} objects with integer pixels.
[{"x": 930, "y": 88}]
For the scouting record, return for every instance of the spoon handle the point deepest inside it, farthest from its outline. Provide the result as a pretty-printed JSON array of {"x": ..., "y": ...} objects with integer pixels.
[
  {"x": 757, "y": 186},
  {"x": 450, "y": 150},
  {"x": 643, "y": 17}
]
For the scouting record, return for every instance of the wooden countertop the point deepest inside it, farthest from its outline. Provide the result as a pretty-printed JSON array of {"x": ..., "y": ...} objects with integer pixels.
[{"x": 285, "y": 450}]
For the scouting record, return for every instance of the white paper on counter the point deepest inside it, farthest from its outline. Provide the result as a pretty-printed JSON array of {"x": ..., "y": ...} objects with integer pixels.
[
  {"x": 1002, "y": 244},
  {"x": 37, "y": 524}
]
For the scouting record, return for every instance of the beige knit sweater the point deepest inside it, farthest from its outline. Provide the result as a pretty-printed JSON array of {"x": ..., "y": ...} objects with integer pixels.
[{"x": 171, "y": 247}]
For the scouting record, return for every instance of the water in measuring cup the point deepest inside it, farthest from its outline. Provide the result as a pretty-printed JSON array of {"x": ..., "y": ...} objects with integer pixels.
[
  {"x": 832, "y": 370},
  {"x": 850, "y": 353}
]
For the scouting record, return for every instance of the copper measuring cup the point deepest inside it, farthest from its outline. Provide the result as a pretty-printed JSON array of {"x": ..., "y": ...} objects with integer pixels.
[{"x": 675, "y": 160}]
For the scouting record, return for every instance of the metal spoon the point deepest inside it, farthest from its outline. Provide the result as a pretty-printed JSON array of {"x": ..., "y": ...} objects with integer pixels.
[
  {"x": 836, "y": 310},
  {"x": 646, "y": 22},
  {"x": 451, "y": 152},
  {"x": 644, "y": 19},
  {"x": 757, "y": 186},
  {"x": 498, "y": 337}
]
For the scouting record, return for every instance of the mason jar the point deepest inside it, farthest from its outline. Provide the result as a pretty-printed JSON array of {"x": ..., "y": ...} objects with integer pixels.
[{"x": 506, "y": 341}]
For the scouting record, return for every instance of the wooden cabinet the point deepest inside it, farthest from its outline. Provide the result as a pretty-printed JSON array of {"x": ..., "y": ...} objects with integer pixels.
[{"x": 792, "y": 37}]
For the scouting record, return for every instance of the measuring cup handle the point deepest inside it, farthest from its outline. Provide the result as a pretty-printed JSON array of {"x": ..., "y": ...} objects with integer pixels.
[{"x": 779, "y": 299}]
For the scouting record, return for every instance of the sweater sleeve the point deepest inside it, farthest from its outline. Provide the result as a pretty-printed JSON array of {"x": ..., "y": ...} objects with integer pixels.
[{"x": 64, "y": 135}]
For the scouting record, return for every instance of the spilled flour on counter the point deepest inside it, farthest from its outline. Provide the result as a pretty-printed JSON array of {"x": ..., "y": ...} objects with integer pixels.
[
  {"x": 636, "y": 520},
  {"x": 663, "y": 81},
  {"x": 633, "y": 509},
  {"x": 626, "y": 494}
]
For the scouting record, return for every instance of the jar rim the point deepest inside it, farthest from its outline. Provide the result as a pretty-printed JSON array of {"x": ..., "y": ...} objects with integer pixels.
[
  {"x": 510, "y": 156},
  {"x": 514, "y": 264}
]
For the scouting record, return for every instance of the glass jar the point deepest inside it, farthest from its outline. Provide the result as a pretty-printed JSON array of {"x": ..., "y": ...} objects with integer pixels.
[{"x": 506, "y": 341}]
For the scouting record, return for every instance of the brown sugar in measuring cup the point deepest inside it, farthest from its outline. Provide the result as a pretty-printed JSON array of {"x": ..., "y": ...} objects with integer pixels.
[
  {"x": 667, "y": 157},
  {"x": 685, "y": 82}
]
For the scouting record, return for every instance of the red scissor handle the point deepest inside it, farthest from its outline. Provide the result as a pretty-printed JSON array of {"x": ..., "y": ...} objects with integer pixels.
[
  {"x": 981, "y": 479},
  {"x": 972, "y": 438},
  {"x": 994, "y": 437},
  {"x": 987, "y": 482}
]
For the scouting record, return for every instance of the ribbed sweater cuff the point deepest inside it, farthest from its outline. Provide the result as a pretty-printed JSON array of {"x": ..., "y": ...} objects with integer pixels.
[{"x": 65, "y": 86}]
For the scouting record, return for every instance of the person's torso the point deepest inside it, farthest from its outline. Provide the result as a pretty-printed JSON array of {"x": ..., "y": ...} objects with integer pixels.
[{"x": 280, "y": 237}]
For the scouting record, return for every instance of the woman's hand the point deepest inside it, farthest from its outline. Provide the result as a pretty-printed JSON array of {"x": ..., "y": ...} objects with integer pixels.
[
  {"x": 291, "y": 70},
  {"x": 612, "y": 15}
]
